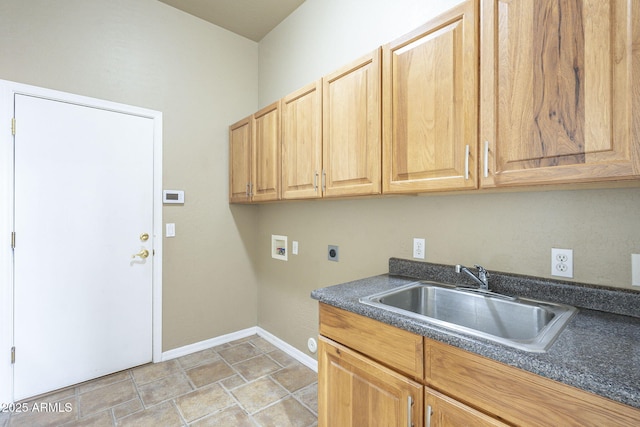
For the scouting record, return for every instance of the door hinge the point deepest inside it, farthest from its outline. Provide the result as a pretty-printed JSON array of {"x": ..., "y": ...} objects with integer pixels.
[
  {"x": 13, "y": 240},
  {"x": 13, "y": 126},
  {"x": 13, "y": 355}
]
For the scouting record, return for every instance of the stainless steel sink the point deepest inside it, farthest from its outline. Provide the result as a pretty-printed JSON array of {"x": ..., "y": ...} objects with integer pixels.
[{"x": 517, "y": 322}]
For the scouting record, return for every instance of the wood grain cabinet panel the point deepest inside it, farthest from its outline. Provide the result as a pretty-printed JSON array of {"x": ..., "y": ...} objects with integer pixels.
[
  {"x": 354, "y": 391},
  {"x": 265, "y": 160},
  {"x": 240, "y": 161},
  {"x": 391, "y": 346},
  {"x": 559, "y": 91},
  {"x": 443, "y": 411},
  {"x": 351, "y": 138},
  {"x": 302, "y": 142},
  {"x": 430, "y": 103},
  {"x": 517, "y": 396}
]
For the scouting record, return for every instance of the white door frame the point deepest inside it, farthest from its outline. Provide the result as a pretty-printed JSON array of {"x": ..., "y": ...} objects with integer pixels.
[{"x": 7, "y": 91}]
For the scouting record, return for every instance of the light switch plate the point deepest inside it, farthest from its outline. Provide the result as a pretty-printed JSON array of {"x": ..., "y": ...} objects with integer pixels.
[{"x": 170, "y": 229}]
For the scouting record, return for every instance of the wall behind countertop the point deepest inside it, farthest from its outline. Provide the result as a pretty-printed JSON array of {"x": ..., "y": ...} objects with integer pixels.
[{"x": 505, "y": 231}]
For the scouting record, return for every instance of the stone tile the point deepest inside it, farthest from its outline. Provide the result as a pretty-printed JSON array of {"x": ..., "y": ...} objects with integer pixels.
[
  {"x": 101, "y": 419},
  {"x": 105, "y": 397},
  {"x": 127, "y": 408},
  {"x": 203, "y": 401},
  {"x": 233, "y": 416},
  {"x": 294, "y": 377},
  {"x": 263, "y": 345},
  {"x": 44, "y": 414},
  {"x": 239, "y": 353},
  {"x": 164, "y": 389},
  {"x": 195, "y": 359},
  {"x": 103, "y": 381},
  {"x": 245, "y": 339},
  {"x": 209, "y": 373},
  {"x": 257, "y": 367},
  {"x": 309, "y": 397},
  {"x": 256, "y": 395},
  {"x": 165, "y": 415},
  {"x": 233, "y": 382},
  {"x": 288, "y": 412},
  {"x": 282, "y": 358},
  {"x": 154, "y": 371},
  {"x": 54, "y": 396}
]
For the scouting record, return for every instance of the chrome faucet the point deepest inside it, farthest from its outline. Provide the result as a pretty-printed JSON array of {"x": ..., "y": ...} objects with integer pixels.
[{"x": 482, "y": 279}]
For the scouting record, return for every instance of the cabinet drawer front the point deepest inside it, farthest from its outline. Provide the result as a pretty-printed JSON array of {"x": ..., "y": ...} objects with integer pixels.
[
  {"x": 388, "y": 345},
  {"x": 517, "y": 396}
]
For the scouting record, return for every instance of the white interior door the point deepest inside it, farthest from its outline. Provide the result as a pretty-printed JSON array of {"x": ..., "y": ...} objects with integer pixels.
[{"x": 83, "y": 198}]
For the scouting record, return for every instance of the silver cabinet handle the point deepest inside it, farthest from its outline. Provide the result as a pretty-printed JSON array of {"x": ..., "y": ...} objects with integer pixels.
[
  {"x": 427, "y": 419},
  {"x": 486, "y": 159},
  {"x": 409, "y": 412},
  {"x": 466, "y": 162},
  {"x": 324, "y": 181},
  {"x": 315, "y": 181}
]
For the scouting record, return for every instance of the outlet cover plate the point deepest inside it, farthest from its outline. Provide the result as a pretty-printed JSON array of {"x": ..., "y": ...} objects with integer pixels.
[
  {"x": 332, "y": 253},
  {"x": 562, "y": 262},
  {"x": 418, "y": 248},
  {"x": 635, "y": 269}
]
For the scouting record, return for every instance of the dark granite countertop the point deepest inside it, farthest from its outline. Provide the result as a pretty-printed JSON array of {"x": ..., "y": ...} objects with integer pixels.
[{"x": 598, "y": 350}]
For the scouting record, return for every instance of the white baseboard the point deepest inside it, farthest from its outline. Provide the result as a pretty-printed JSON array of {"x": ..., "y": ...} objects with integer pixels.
[
  {"x": 203, "y": 345},
  {"x": 306, "y": 360}
]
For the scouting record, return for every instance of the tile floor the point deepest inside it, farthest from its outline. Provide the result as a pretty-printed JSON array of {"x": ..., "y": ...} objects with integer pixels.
[{"x": 248, "y": 382}]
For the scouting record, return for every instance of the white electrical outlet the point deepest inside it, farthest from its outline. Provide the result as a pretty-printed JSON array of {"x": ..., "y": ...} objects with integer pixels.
[
  {"x": 418, "y": 248},
  {"x": 562, "y": 262},
  {"x": 635, "y": 269}
]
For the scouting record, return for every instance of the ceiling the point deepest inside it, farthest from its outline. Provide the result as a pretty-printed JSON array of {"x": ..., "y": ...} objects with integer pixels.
[{"x": 252, "y": 19}]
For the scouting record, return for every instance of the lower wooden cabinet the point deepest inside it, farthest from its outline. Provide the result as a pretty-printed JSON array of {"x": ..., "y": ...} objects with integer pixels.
[
  {"x": 366, "y": 377},
  {"x": 354, "y": 391},
  {"x": 443, "y": 411}
]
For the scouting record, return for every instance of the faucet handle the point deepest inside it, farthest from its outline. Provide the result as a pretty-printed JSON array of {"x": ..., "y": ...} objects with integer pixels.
[
  {"x": 481, "y": 270},
  {"x": 458, "y": 268}
]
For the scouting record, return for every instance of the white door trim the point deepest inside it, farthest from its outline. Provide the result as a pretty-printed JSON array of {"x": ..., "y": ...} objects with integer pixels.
[{"x": 7, "y": 91}]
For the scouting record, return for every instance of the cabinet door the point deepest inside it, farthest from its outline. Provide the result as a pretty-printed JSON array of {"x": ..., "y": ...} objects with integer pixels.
[
  {"x": 265, "y": 168},
  {"x": 302, "y": 142},
  {"x": 240, "y": 161},
  {"x": 442, "y": 411},
  {"x": 430, "y": 100},
  {"x": 351, "y": 128},
  {"x": 559, "y": 92},
  {"x": 354, "y": 391}
]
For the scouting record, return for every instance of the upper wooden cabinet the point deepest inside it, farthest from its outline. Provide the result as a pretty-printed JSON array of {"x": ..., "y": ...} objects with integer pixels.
[
  {"x": 351, "y": 128},
  {"x": 302, "y": 142},
  {"x": 254, "y": 157},
  {"x": 430, "y": 103},
  {"x": 240, "y": 161},
  {"x": 560, "y": 91},
  {"x": 265, "y": 163}
]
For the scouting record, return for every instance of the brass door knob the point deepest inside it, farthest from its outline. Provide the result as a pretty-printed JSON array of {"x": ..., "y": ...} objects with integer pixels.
[{"x": 142, "y": 254}]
